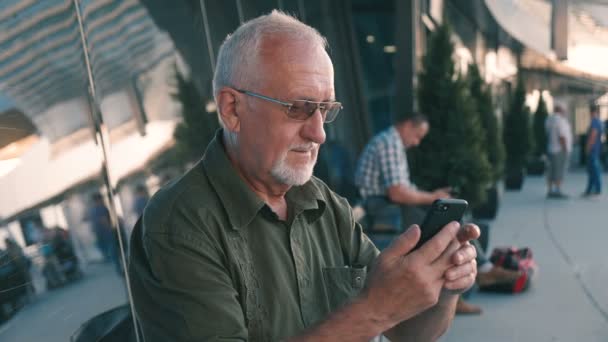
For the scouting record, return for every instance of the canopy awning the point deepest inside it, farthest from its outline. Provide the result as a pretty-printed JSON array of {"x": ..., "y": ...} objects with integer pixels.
[
  {"x": 42, "y": 59},
  {"x": 530, "y": 21}
]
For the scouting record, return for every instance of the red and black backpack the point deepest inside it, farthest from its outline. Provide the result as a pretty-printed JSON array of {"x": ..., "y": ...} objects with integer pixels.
[{"x": 516, "y": 259}]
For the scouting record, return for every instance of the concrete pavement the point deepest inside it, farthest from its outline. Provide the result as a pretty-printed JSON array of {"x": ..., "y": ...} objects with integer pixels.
[
  {"x": 569, "y": 298},
  {"x": 55, "y": 315}
]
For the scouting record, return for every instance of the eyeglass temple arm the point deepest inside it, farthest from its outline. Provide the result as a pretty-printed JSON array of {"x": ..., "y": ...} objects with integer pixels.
[{"x": 264, "y": 97}]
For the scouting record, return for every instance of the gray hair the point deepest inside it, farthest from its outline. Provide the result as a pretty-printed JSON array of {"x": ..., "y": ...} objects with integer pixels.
[
  {"x": 237, "y": 57},
  {"x": 415, "y": 119},
  {"x": 239, "y": 51}
]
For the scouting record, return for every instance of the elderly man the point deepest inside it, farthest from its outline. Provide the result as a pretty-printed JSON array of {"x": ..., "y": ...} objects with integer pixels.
[{"x": 249, "y": 246}]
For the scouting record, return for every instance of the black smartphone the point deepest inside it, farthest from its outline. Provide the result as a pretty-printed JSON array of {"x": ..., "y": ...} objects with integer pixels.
[{"x": 442, "y": 212}]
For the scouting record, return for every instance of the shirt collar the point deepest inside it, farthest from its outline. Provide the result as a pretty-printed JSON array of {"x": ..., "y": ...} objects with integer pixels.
[
  {"x": 240, "y": 202},
  {"x": 306, "y": 198}
]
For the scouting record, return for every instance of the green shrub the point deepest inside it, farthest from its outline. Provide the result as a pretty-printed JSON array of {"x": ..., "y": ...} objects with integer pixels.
[
  {"x": 197, "y": 128},
  {"x": 517, "y": 136},
  {"x": 452, "y": 154},
  {"x": 493, "y": 143},
  {"x": 540, "y": 133}
]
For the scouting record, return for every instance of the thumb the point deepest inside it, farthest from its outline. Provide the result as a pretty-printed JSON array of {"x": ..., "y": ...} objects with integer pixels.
[
  {"x": 404, "y": 243},
  {"x": 468, "y": 232}
]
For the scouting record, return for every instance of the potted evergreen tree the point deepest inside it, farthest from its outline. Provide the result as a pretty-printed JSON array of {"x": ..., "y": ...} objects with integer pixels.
[
  {"x": 536, "y": 166},
  {"x": 452, "y": 154},
  {"x": 517, "y": 138},
  {"x": 493, "y": 144},
  {"x": 197, "y": 128}
]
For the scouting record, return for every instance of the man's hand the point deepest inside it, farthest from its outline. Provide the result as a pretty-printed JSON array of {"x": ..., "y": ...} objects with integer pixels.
[
  {"x": 442, "y": 193},
  {"x": 403, "y": 289},
  {"x": 403, "y": 284},
  {"x": 461, "y": 276}
]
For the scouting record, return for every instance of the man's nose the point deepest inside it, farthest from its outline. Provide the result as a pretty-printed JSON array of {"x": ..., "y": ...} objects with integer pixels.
[{"x": 313, "y": 128}]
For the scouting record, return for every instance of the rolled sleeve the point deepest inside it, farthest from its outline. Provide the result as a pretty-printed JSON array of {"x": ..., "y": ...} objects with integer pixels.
[
  {"x": 361, "y": 250},
  {"x": 366, "y": 251}
]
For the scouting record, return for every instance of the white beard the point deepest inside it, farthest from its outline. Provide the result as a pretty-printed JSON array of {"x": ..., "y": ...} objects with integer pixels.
[{"x": 286, "y": 174}]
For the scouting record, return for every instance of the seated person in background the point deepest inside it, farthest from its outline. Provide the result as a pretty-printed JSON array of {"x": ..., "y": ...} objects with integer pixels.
[
  {"x": 248, "y": 246},
  {"x": 383, "y": 176},
  {"x": 389, "y": 196}
]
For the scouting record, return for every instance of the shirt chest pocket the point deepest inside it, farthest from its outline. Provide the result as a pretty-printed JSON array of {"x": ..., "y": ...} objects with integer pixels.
[{"x": 342, "y": 283}]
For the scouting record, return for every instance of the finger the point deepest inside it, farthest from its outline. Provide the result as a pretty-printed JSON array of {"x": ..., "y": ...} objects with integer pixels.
[
  {"x": 404, "y": 243},
  {"x": 465, "y": 254},
  {"x": 435, "y": 247},
  {"x": 446, "y": 257},
  {"x": 461, "y": 284},
  {"x": 469, "y": 232},
  {"x": 460, "y": 271}
]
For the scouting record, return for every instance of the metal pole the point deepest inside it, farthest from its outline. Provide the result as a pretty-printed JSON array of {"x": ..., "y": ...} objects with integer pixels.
[
  {"x": 302, "y": 10},
  {"x": 208, "y": 36},
  {"x": 239, "y": 10},
  {"x": 97, "y": 120}
]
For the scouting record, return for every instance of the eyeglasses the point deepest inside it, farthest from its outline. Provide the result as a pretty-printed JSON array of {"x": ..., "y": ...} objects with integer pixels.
[{"x": 301, "y": 110}]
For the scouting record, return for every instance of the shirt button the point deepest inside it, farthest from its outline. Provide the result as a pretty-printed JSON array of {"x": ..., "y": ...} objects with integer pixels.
[{"x": 358, "y": 281}]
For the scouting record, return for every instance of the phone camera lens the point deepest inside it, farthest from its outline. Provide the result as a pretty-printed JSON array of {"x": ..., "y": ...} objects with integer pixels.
[{"x": 444, "y": 207}]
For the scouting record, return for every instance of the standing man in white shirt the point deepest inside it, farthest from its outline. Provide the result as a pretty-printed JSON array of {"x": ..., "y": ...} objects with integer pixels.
[{"x": 559, "y": 146}]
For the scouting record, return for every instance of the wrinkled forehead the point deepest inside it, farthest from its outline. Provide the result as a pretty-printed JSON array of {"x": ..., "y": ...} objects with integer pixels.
[
  {"x": 279, "y": 57},
  {"x": 288, "y": 45}
]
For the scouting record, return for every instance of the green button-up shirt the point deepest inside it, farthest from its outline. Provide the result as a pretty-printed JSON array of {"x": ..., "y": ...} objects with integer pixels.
[{"x": 209, "y": 260}]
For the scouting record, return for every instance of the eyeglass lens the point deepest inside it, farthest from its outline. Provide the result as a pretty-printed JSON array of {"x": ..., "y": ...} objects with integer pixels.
[{"x": 302, "y": 110}]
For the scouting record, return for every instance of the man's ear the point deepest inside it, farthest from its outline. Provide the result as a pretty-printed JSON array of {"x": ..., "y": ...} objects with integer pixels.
[{"x": 227, "y": 102}]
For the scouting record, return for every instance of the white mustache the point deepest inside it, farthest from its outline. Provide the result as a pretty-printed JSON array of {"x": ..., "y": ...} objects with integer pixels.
[{"x": 304, "y": 147}]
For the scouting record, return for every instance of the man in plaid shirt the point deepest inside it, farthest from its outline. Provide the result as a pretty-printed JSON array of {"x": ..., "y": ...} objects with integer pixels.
[
  {"x": 394, "y": 202},
  {"x": 383, "y": 176}
]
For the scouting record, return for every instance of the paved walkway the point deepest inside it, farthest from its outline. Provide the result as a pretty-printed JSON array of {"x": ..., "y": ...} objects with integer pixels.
[
  {"x": 55, "y": 315},
  {"x": 569, "y": 299}
]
